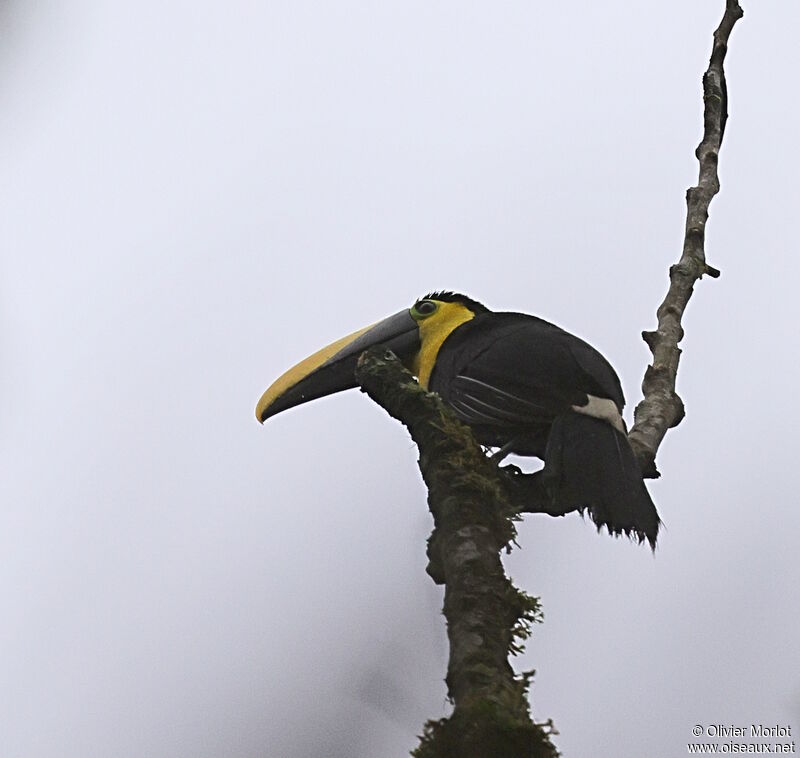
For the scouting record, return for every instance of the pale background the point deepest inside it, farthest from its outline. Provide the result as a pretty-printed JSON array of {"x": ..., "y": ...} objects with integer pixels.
[{"x": 195, "y": 195}]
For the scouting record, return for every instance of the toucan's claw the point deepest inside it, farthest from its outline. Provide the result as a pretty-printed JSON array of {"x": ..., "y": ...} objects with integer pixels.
[{"x": 502, "y": 452}]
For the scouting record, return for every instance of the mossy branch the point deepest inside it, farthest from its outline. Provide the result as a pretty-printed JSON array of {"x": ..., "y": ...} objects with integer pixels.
[
  {"x": 487, "y": 617},
  {"x": 474, "y": 502}
]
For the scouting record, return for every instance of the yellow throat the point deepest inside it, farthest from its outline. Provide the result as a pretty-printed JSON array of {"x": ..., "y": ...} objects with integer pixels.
[{"x": 433, "y": 331}]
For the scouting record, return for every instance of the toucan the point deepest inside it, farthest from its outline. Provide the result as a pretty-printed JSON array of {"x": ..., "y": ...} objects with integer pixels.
[{"x": 521, "y": 384}]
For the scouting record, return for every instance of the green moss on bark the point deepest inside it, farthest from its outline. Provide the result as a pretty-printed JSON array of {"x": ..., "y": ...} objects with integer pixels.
[
  {"x": 488, "y": 618},
  {"x": 485, "y": 730}
]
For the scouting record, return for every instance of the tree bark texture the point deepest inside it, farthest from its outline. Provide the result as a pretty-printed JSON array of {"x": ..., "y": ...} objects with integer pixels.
[
  {"x": 661, "y": 408},
  {"x": 487, "y": 617}
]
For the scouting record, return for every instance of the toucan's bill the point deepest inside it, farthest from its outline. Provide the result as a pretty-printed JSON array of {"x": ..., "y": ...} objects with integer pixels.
[{"x": 332, "y": 369}]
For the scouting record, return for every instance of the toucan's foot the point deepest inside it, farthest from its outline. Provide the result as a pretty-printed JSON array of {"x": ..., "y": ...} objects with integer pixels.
[{"x": 502, "y": 452}]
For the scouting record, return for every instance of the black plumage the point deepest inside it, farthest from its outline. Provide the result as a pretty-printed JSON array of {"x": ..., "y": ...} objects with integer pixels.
[{"x": 516, "y": 380}]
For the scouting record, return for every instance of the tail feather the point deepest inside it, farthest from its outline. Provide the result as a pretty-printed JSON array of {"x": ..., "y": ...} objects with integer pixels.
[{"x": 590, "y": 466}]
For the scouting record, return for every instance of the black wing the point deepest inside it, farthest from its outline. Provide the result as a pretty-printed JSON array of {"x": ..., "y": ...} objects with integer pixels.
[{"x": 514, "y": 371}]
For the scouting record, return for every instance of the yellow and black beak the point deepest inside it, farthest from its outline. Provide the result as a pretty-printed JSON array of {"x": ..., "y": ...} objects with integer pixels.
[{"x": 332, "y": 369}]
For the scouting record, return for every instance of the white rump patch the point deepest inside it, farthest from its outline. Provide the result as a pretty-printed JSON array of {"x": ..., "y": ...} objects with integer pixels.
[{"x": 604, "y": 408}]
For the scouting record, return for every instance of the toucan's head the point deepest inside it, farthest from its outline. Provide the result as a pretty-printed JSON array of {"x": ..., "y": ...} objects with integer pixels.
[{"x": 414, "y": 335}]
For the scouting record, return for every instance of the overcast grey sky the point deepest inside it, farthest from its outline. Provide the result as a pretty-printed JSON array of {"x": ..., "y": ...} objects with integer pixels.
[{"x": 195, "y": 196}]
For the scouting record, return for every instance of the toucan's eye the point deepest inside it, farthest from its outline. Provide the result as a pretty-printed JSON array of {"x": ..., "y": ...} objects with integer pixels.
[{"x": 424, "y": 308}]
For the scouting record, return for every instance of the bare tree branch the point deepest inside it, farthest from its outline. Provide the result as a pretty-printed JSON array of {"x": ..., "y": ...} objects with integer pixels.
[{"x": 661, "y": 408}]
